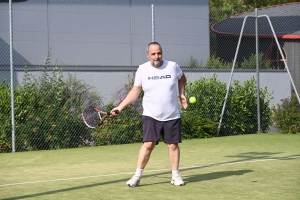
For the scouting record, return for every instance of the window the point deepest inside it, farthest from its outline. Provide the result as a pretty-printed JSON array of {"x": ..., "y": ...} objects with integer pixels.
[{"x": 274, "y": 58}]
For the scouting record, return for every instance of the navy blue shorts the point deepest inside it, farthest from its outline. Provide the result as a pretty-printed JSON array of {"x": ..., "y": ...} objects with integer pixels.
[{"x": 170, "y": 131}]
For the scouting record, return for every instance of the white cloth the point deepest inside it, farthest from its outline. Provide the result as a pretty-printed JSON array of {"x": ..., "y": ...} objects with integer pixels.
[{"x": 160, "y": 89}]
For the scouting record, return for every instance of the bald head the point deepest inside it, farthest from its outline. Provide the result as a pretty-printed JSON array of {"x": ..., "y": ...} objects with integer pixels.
[
  {"x": 153, "y": 43},
  {"x": 154, "y": 54}
]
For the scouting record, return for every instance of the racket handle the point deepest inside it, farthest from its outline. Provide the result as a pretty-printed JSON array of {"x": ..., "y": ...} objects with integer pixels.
[{"x": 115, "y": 111}]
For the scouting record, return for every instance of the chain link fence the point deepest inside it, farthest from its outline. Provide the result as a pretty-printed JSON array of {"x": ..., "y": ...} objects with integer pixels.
[{"x": 71, "y": 54}]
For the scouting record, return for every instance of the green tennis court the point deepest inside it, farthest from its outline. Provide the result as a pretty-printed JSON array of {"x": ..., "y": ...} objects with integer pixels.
[{"x": 257, "y": 166}]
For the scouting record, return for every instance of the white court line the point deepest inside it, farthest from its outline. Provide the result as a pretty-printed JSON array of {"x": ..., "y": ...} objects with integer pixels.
[{"x": 158, "y": 170}]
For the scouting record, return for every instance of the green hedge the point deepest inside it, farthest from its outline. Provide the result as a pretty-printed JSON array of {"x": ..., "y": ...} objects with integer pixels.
[
  {"x": 47, "y": 113},
  {"x": 240, "y": 116},
  {"x": 287, "y": 115}
]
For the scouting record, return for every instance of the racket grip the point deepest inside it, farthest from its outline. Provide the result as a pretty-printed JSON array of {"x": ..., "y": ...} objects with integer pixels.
[{"x": 115, "y": 111}]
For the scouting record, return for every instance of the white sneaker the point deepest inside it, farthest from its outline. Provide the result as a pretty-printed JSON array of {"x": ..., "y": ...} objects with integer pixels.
[
  {"x": 177, "y": 180},
  {"x": 134, "y": 181}
]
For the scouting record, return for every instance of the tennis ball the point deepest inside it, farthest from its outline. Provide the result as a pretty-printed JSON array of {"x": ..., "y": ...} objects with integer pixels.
[{"x": 193, "y": 100}]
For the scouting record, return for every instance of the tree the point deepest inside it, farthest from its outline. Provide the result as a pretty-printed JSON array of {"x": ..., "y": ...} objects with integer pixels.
[{"x": 245, "y": 4}]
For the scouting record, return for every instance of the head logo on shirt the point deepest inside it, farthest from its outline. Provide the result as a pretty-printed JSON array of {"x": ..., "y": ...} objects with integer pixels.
[{"x": 159, "y": 77}]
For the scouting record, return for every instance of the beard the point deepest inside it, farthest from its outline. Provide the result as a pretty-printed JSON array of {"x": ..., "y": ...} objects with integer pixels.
[{"x": 157, "y": 63}]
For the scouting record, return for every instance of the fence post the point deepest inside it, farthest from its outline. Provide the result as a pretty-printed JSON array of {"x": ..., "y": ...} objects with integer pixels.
[
  {"x": 257, "y": 71},
  {"x": 153, "y": 24},
  {"x": 11, "y": 78}
]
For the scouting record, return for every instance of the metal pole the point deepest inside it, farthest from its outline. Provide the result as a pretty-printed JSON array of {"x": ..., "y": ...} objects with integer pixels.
[
  {"x": 234, "y": 61},
  {"x": 11, "y": 77},
  {"x": 153, "y": 24},
  {"x": 130, "y": 37},
  {"x": 231, "y": 74},
  {"x": 282, "y": 56},
  {"x": 257, "y": 71}
]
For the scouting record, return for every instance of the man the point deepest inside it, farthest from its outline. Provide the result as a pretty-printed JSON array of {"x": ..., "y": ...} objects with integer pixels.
[{"x": 159, "y": 79}]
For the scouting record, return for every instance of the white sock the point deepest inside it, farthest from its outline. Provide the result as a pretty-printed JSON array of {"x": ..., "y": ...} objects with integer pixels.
[
  {"x": 138, "y": 172},
  {"x": 175, "y": 173}
]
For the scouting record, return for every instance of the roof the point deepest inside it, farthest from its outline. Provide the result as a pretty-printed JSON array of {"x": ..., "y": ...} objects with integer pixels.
[{"x": 285, "y": 19}]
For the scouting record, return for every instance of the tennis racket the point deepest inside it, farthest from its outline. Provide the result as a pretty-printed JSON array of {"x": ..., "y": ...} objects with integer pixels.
[{"x": 94, "y": 117}]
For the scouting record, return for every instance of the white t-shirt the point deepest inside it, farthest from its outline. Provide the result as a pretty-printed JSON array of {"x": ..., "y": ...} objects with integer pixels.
[{"x": 160, "y": 89}]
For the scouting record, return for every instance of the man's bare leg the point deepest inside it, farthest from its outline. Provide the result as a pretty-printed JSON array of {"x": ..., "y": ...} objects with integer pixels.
[
  {"x": 174, "y": 155},
  {"x": 144, "y": 154},
  {"x": 143, "y": 158}
]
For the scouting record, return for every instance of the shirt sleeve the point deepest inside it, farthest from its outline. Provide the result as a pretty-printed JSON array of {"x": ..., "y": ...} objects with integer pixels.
[
  {"x": 138, "y": 77},
  {"x": 178, "y": 71}
]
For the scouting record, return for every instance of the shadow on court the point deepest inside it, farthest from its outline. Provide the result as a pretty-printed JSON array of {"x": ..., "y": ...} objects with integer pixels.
[
  {"x": 255, "y": 155},
  {"x": 215, "y": 175},
  {"x": 201, "y": 177},
  {"x": 64, "y": 190},
  {"x": 243, "y": 157},
  {"x": 195, "y": 178}
]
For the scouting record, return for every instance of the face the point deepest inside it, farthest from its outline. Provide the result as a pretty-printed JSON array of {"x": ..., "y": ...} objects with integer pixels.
[{"x": 155, "y": 55}]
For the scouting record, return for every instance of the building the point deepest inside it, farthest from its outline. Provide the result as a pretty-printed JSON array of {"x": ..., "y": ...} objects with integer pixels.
[
  {"x": 285, "y": 19},
  {"x": 100, "y": 34}
]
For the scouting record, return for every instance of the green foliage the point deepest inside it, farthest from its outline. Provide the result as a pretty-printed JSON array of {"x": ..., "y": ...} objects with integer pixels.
[
  {"x": 208, "y": 93},
  {"x": 250, "y": 63},
  {"x": 212, "y": 63},
  {"x": 245, "y": 4},
  {"x": 231, "y": 4},
  {"x": 205, "y": 113},
  {"x": 240, "y": 115},
  {"x": 216, "y": 63},
  {"x": 217, "y": 14},
  {"x": 5, "y": 120},
  {"x": 287, "y": 115},
  {"x": 123, "y": 129},
  {"x": 47, "y": 112},
  {"x": 122, "y": 93},
  {"x": 127, "y": 126},
  {"x": 192, "y": 63},
  {"x": 194, "y": 126}
]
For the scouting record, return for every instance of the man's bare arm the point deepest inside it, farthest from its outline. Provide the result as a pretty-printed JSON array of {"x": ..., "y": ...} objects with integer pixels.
[
  {"x": 130, "y": 98},
  {"x": 181, "y": 89}
]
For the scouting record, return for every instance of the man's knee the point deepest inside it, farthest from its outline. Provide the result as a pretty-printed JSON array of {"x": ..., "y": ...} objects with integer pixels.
[
  {"x": 173, "y": 146},
  {"x": 149, "y": 145}
]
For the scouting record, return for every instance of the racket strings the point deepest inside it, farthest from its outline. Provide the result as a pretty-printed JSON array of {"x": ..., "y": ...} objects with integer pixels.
[{"x": 91, "y": 117}]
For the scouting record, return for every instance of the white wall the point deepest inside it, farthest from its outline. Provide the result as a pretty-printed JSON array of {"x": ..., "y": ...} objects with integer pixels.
[
  {"x": 107, "y": 83},
  {"x": 92, "y": 32}
]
